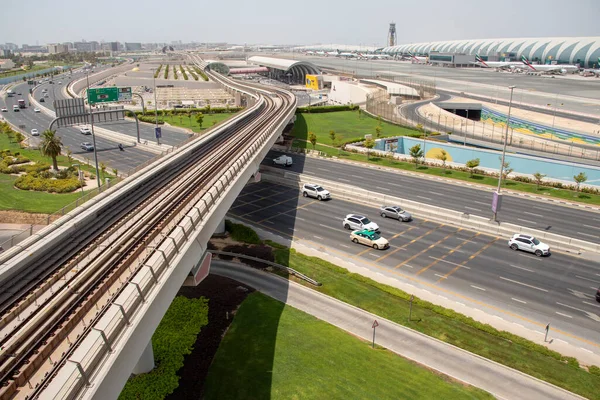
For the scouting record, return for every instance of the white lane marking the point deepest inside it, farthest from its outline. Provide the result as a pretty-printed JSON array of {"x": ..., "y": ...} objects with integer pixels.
[
  {"x": 394, "y": 184},
  {"x": 471, "y": 208},
  {"x": 564, "y": 315},
  {"x": 526, "y": 220},
  {"x": 460, "y": 304},
  {"x": 323, "y": 169},
  {"x": 436, "y": 193},
  {"x": 524, "y": 284},
  {"x": 525, "y": 269},
  {"x": 301, "y": 219},
  {"x": 344, "y": 180},
  {"x": 441, "y": 276},
  {"x": 374, "y": 255},
  {"x": 591, "y": 304},
  {"x": 329, "y": 227},
  {"x": 593, "y": 227},
  {"x": 481, "y": 202},
  {"x": 520, "y": 301},
  {"x": 382, "y": 188},
  {"x": 589, "y": 351},
  {"x": 477, "y": 287},
  {"x": 586, "y": 279},
  {"x": 424, "y": 198},
  {"x": 585, "y": 234},
  {"x": 449, "y": 262},
  {"x": 318, "y": 237},
  {"x": 529, "y": 257},
  {"x": 343, "y": 245},
  {"x": 534, "y": 214},
  {"x": 568, "y": 306}
]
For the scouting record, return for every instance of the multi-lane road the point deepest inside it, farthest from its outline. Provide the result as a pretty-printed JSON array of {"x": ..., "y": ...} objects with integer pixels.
[
  {"x": 558, "y": 289},
  {"x": 455, "y": 195}
]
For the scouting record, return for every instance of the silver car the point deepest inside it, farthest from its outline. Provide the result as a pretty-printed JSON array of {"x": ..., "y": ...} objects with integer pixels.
[{"x": 395, "y": 212}]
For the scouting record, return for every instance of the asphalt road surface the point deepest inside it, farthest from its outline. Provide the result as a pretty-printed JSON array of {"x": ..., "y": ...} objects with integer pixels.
[
  {"x": 558, "y": 289},
  {"x": 572, "y": 222}
]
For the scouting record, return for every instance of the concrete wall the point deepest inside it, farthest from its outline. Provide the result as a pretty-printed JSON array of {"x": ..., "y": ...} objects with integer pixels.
[
  {"x": 491, "y": 159},
  {"x": 347, "y": 92}
]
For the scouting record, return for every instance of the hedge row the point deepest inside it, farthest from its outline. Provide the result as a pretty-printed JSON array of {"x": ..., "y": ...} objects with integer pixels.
[
  {"x": 29, "y": 168},
  {"x": 150, "y": 119},
  {"x": 167, "y": 72},
  {"x": 326, "y": 109},
  {"x": 14, "y": 159},
  {"x": 175, "y": 72},
  {"x": 194, "y": 75},
  {"x": 183, "y": 73},
  {"x": 34, "y": 181},
  {"x": 242, "y": 233},
  {"x": 173, "y": 339},
  {"x": 203, "y": 110},
  {"x": 201, "y": 73},
  {"x": 157, "y": 71}
]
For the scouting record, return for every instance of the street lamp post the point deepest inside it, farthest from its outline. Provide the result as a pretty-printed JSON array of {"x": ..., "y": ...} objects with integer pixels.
[
  {"x": 87, "y": 77},
  {"x": 155, "y": 109},
  {"x": 79, "y": 176},
  {"x": 466, "y": 128},
  {"x": 497, "y": 201}
]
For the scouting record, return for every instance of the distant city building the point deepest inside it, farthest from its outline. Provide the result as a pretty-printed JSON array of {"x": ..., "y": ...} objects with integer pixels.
[
  {"x": 33, "y": 49},
  {"x": 133, "y": 46},
  {"x": 6, "y": 64},
  {"x": 86, "y": 46},
  {"x": 5, "y": 53},
  {"x": 57, "y": 48},
  {"x": 110, "y": 46},
  {"x": 10, "y": 46}
]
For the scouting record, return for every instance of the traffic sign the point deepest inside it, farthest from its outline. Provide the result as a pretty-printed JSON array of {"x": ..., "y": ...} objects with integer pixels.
[
  {"x": 375, "y": 324},
  {"x": 109, "y": 94}
]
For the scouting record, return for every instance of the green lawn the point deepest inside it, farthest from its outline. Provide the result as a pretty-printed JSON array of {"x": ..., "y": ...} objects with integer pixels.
[
  {"x": 443, "y": 324},
  {"x": 272, "y": 351},
  {"x": 21, "y": 72},
  {"x": 347, "y": 125},
  {"x": 31, "y": 201},
  {"x": 564, "y": 194},
  {"x": 185, "y": 122}
]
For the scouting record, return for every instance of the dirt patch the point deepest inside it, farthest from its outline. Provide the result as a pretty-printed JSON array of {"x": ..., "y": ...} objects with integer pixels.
[
  {"x": 20, "y": 217},
  {"x": 225, "y": 296}
]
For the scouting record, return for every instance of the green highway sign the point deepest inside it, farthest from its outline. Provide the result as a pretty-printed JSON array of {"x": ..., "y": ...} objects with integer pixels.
[{"x": 109, "y": 95}]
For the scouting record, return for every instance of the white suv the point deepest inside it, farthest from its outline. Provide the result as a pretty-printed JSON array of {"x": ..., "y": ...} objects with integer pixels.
[
  {"x": 528, "y": 243},
  {"x": 315, "y": 191},
  {"x": 357, "y": 222}
]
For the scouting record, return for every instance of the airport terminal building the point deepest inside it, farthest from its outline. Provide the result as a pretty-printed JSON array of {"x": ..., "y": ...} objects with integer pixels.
[{"x": 562, "y": 50}]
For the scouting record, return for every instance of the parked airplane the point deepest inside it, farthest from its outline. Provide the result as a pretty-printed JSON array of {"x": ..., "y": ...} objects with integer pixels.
[
  {"x": 346, "y": 55},
  {"x": 374, "y": 56},
  {"x": 320, "y": 53},
  {"x": 593, "y": 71},
  {"x": 310, "y": 52},
  {"x": 550, "y": 68},
  {"x": 417, "y": 59},
  {"x": 496, "y": 64}
]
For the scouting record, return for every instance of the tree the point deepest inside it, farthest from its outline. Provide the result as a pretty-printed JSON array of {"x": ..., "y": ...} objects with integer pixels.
[
  {"x": 369, "y": 144},
  {"x": 579, "y": 179},
  {"x": 506, "y": 170},
  {"x": 103, "y": 169},
  {"x": 19, "y": 137},
  {"x": 360, "y": 111},
  {"x": 419, "y": 127},
  {"x": 11, "y": 134},
  {"x": 51, "y": 146},
  {"x": 199, "y": 119},
  {"x": 214, "y": 123},
  {"x": 332, "y": 136},
  {"x": 378, "y": 131},
  {"x": 312, "y": 138},
  {"x": 115, "y": 172},
  {"x": 416, "y": 153},
  {"x": 189, "y": 115},
  {"x": 472, "y": 164},
  {"x": 443, "y": 157},
  {"x": 69, "y": 156},
  {"x": 538, "y": 179}
]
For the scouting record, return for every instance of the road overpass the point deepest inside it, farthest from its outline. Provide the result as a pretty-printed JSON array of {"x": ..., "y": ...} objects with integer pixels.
[{"x": 81, "y": 298}]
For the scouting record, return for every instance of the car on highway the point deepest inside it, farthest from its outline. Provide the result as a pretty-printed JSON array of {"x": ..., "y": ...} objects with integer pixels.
[
  {"x": 528, "y": 243},
  {"x": 85, "y": 130},
  {"x": 598, "y": 295},
  {"x": 42, "y": 100},
  {"x": 60, "y": 83},
  {"x": 46, "y": 95},
  {"x": 369, "y": 238},
  {"x": 316, "y": 191},
  {"x": 4, "y": 109},
  {"x": 87, "y": 146},
  {"x": 36, "y": 110},
  {"x": 284, "y": 160},
  {"x": 357, "y": 222},
  {"x": 395, "y": 212},
  {"x": 16, "y": 108},
  {"x": 35, "y": 132}
]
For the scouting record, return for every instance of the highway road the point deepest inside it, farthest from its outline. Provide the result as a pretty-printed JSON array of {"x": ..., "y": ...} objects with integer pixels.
[
  {"x": 455, "y": 195},
  {"x": 539, "y": 90},
  {"x": 558, "y": 289}
]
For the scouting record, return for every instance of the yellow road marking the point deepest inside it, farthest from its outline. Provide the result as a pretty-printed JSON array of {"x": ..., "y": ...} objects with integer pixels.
[
  {"x": 469, "y": 259},
  {"x": 411, "y": 242},
  {"x": 447, "y": 254},
  {"x": 426, "y": 249},
  {"x": 432, "y": 286}
]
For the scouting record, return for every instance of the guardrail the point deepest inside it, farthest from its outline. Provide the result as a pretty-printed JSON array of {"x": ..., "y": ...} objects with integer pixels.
[
  {"x": 291, "y": 271},
  {"x": 438, "y": 214}
]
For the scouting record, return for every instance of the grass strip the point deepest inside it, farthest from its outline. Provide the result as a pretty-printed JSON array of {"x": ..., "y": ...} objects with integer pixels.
[
  {"x": 276, "y": 351},
  {"x": 172, "y": 340}
]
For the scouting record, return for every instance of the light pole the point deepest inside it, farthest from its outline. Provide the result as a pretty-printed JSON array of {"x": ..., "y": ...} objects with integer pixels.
[
  {"x": 155, "y": 109},
  {"x": 79, "y": 176},
  {"x": 466, "y": 128},
  {"x": 87, "y": 77},
  {"x": 497, "y": 200}
]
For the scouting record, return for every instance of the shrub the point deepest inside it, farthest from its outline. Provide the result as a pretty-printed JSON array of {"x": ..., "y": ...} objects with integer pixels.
[
  {"x": 42, "y": 183},
  {"x": 201, "y": 73},
  {"x": 242, "y": 233},
  {"x": 594, "y": 370},
  {"x": 157, "y": 71},
  {"x": 183, "y": 73},
  {"x": 194, "y": 75},
  {"x": 167, "y": 72},
  {"x": 260, "y": 251},
  {"x": 150, "y": 119}
]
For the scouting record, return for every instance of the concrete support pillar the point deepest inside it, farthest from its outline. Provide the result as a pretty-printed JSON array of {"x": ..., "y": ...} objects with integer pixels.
[
  {"x": 146, "y": 362},
  {"x": 220, "y": 228}
]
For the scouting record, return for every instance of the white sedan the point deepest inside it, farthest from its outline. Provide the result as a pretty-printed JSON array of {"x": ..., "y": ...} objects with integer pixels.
[
  {"x": 36, "y": 110},
  {"x": 284, "y": 160},
  {"x": 4, "y": 109},
  {"x": 35, "y": 132}
]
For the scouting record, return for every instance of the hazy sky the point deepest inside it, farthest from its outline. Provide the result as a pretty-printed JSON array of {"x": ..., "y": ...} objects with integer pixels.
[{"x": 292, "y": 22}]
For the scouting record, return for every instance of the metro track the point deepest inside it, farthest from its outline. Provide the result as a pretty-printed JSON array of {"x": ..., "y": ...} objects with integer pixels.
[{"x": 44, "y": 308}]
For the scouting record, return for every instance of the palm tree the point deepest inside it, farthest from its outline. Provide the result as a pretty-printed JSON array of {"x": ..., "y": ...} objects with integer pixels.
[{"x": 51, "y": 146}]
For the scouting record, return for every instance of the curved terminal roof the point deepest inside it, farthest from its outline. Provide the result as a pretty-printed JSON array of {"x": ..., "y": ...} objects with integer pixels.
[
  {"x": 582, "y": 50},
  {"x": 286, "y": 65},
  {"x": 334, "y": 47}
]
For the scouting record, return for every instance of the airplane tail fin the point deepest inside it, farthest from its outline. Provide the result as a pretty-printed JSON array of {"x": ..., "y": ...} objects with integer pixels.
[
  {"x": 525, "y": 61},
  {"x": 479, "y": 60}
]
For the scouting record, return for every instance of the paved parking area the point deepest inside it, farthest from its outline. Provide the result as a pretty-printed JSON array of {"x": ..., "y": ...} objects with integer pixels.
[{"x": 558, "y": 289}]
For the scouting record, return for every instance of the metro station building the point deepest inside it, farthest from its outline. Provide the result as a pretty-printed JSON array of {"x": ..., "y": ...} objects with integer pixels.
[{"x": 560, "y": 50}]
